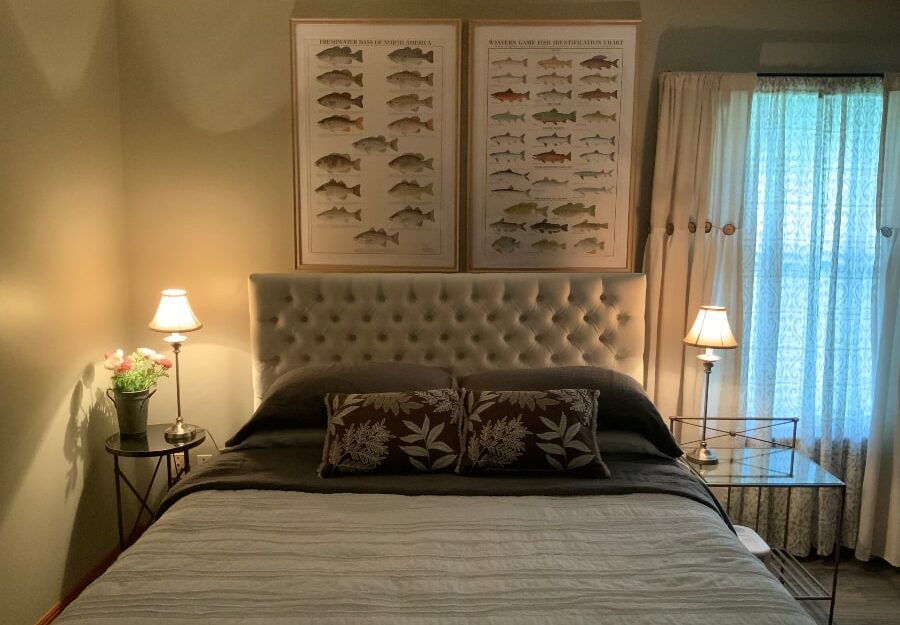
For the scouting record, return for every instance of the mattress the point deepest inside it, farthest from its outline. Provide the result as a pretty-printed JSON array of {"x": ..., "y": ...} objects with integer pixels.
[{"x": 246, "y": 555}]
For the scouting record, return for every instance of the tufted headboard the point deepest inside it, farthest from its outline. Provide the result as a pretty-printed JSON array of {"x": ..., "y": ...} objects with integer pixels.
[{"x": 461, "y": 321}]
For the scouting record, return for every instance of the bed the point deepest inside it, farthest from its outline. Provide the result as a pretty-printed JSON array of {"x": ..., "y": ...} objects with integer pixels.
[{"x": 255, "y": 536}]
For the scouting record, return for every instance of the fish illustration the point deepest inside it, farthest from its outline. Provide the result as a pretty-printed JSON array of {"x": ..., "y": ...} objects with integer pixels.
[
  {"x": 509, "y": 174},
  {"x": 571, "y": 209},
  {"x": 597, "y": 155},
  {"x": 407, "y": 78},
  {"x": 511, "y": 96},
  {"x": 598, "y": 116},
  {"x": 599, "y": 94},
  {"x": 511, "y": 192},
  {"x": 546, "y": 245},
  {"x": 508, "y": 138},
  {"x": 598, "y": 140},
  {"x": 410, "y": 102},
  {"x": 411, "y": 189},
  {"x": 410, "y": 163},
  {"x": 590, "y": 226},
  {"x": 340, "y": 78},
  {"x": 526, "y": 209},
  {"x": 410, "y": 216},
  {"x": 411, "y": 56},
  {"x": 340, "y": 123},
  {"x": 338, "y": 55},
  {"x": 377, "y": 237},
  {"x": 545, "y": 227},
  {"x": 590, "y": 245},
  {"x": 552, "y": 157},
  {"x": 508, "y": 79},
  {"x": 342, "y": 101},
  {"x": 508, "y": 156},
  {"x": 589, "y": 190},
  {"x": 337, "y": 189},
  {"x": 507, "y": 226},
  {"x": 555, "y": 97},
  {"x": 337, "y": 163},
  {"x": 599, "y": 62},
  {"x": 554, "y": 117},
  {"x": 548, "y": 183},
  {"x": 606, "y": 173},
  {"x": 554, "y": 140},
  {"x": 510, "y": 62},
  {"x": 411, "y": 125},
  {"x": 340, "y": 214},
  {"x": 375, "y": 144},
  {"x": 555, "y": 79},
  {"x": 599, "y": 79},
  {"x": 508, "y": 117},
  {"x": 554, "y": 63},
  {"x": 505, "y": 245}
]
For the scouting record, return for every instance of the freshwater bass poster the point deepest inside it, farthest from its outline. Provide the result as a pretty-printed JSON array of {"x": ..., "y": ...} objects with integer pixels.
[
  {"x": 550, "y": 156},
  {"x": 376, "y": 129}
]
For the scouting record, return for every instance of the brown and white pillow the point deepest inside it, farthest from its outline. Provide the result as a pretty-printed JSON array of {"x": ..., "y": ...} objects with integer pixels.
[
  {"x": 551, "y": 430},
  {"x": 415, "y": 431}
]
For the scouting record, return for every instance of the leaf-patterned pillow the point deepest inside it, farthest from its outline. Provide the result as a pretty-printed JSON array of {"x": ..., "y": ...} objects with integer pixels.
[
  {"x": 531, "y": 431},
  {"x": 415, "y": 431}
]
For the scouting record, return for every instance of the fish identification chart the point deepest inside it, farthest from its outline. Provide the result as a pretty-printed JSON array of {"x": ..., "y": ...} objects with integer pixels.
[
  {"x": 376, "y": 143},
  {"x": 551, "y": 145}
]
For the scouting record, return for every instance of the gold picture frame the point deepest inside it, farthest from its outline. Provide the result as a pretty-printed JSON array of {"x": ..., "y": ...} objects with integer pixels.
[
  {"x": 552, "y": 116},
  {"x": 376, "y": 118}
]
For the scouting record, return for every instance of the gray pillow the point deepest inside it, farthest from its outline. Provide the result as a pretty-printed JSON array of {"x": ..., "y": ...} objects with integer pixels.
[
  {"x": 297, "y": 398},
  {"x": 622, "y": 405}
]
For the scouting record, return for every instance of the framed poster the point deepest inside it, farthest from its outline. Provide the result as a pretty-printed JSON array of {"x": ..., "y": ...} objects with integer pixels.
[
  {"x": 550, "y": 154},
  {"x": 376, "y": 129}
]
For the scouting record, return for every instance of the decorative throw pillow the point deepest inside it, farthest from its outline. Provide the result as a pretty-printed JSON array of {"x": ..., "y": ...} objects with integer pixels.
[
  {"x": 551, "y": 430},
  {"x": 416, "y": 431}
]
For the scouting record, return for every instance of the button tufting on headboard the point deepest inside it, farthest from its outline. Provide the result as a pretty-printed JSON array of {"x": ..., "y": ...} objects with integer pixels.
[{"x": 464, "y": 322}]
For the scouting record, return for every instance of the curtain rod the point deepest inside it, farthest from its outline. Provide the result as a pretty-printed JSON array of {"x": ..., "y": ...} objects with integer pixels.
[{"x": 816, "y": 75}]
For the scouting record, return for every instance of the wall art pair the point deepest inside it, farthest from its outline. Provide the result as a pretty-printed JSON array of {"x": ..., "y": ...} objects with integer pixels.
[{"x": 377, "y": 135}]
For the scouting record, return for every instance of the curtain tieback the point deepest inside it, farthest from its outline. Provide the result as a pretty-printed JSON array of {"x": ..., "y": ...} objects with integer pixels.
[
  {"x": 886, "y": 232},
  {"x": 727, "y": 229}
]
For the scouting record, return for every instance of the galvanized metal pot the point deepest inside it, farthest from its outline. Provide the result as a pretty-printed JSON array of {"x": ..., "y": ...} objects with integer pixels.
[{"x": 131, "y": 409}]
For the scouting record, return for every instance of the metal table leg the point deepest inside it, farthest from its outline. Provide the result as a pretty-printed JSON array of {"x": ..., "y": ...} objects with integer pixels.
[
  {"x": 118, "y": 473},
  {"x": 837, "y": 553}
]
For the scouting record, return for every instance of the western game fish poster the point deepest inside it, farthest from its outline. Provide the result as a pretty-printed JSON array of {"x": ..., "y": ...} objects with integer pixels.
[
  {"x": 550, "y": 155},
  {"x": 376, "y": 129}
]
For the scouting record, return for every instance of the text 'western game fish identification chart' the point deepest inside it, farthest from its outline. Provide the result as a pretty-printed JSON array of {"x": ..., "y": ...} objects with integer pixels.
[
  {"x": 552, "y": 118},
  {"x": 376, "y": 105}
]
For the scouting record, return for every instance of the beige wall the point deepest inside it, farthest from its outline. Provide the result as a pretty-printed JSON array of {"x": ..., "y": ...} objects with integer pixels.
[
  {"x": 204, "y": 88},
  {"x": 63, "y": 294}
]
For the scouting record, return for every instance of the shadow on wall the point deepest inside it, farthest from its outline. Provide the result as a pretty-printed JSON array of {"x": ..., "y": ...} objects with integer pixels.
[{"x": 91, "y": 419}]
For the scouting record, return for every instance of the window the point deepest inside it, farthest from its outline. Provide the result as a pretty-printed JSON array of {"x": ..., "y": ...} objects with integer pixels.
[{"x": 809, "y": 254}]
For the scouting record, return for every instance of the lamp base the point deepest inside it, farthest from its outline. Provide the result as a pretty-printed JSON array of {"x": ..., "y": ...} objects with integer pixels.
[
  {"x": 703, "y": 455},
  {"x": 179, "y": 432}
]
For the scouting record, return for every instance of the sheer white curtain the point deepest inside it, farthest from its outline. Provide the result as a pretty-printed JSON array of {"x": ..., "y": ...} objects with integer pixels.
[
  {"x": 809, "y": 246},
  {"x": 879, "y": 525},
  {"x": 695, "y": 220}
]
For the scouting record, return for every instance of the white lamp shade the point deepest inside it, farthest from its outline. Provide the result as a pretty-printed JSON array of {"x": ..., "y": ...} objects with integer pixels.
[
  {"x": 711, "y": 329},
  {"x": 174, "y": 313}
]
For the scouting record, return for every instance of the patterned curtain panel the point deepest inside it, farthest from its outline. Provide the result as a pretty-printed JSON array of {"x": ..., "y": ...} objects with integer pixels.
[
  {"x": 809, "y": 246},
  {"x": 879, "y": 526}
]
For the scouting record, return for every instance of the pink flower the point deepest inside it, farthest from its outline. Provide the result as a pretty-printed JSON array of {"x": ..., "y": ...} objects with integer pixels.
[
  {"x": 165, "y": 363},
  {"x": 124, "y": 366},
  {"x": 117, "y": 353},
  {"x": 112, "y": 363}
]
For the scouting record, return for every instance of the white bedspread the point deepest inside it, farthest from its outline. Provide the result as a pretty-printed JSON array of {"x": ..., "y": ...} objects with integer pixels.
[{"x": 285, "y": 557}]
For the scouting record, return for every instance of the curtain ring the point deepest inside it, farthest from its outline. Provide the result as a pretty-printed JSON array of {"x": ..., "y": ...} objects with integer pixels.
[
  {"x": 707, "y": 228},
  {"x": 692, "y": 227},
  {"x": 670, "y": 228},
  {"x": 886, "y": 232},
  {"x": 728, "y": 229}
]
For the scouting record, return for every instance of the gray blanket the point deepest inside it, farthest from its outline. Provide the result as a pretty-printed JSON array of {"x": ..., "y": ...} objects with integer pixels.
[{"x": 294, "y": 469}]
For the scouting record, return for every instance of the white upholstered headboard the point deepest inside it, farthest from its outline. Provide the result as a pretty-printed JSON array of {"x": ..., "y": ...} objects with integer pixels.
[{"x": 461, "y": 321}]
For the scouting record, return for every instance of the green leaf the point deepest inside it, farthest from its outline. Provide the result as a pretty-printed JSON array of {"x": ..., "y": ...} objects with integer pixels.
[
  {"x": 418, "y": 465},
  {"x": 579, "y": 446},
  {"x": 547, "y": 436},
  {"x": 571, "y": 432},
  {"x": 434, "y": 433},
  {"x": 415, "y": 428},
  {"x": 414, "y": 450},
  {"x": 554, "y": 463},
  {"x": 550, "y": 424},
  {"x": 580, "y": 461},
  {"x": 410, "y": 438},
  {"x": 552, "y": 448},
  {"x": 441, "y": 446}
]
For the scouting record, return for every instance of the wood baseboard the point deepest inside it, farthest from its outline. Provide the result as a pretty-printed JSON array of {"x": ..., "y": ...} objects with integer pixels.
[{"x": 83, "y": 583}]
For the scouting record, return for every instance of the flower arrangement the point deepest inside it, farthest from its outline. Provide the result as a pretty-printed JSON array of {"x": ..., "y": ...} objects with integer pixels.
[{"x": 138, "y": 371}]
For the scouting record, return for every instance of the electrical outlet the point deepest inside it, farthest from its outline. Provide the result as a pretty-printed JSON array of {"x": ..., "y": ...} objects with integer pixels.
[{"x": 201, "y": 458}]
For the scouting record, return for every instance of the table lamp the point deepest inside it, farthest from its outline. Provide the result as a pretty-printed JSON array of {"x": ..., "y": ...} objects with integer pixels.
[
  {"x": 175, "y": 316},
  {"x": 710, "y": 330}
]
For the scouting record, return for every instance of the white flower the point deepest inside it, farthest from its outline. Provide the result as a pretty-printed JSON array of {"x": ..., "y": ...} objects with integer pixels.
[
  {"x": 112, "y": 363},
  {"x": 146, "y": 352}
]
